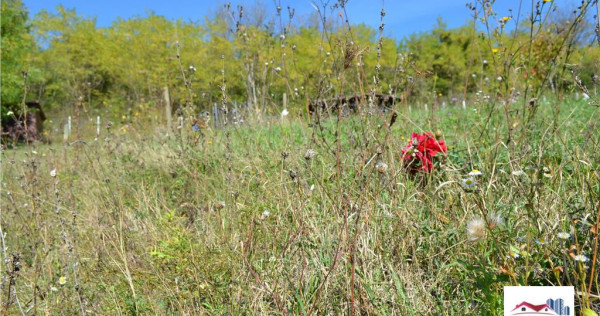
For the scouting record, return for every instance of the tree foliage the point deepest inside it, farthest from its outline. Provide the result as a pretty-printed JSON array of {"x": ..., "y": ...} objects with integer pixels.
[
  {"x": 249, "y": 57},
  {"x": 18, "y": 47}
]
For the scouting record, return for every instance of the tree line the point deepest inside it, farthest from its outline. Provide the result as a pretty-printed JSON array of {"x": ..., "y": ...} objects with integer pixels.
[{"x": 242, "y": 55}]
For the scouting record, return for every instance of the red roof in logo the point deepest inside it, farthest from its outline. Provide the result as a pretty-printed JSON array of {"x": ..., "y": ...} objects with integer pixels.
[{"x": 536, "y": 308}]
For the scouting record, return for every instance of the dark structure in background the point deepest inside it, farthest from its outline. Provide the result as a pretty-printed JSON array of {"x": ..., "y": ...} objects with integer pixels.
[
  {"x": 24, "y": 127},
  {"x": 353, "y": 103}
]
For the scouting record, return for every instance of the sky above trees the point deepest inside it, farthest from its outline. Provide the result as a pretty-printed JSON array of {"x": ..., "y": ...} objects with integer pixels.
[{"x": 402, "y": 17}]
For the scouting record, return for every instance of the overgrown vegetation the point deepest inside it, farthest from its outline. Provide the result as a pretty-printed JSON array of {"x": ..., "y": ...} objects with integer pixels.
[
  {"x": 299, "y": 214},
  {"x": 125, "y": 66}
]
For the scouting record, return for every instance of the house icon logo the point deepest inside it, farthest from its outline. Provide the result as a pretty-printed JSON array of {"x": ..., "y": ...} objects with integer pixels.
[
  {"x": 539, "y": 300},
  {"x": 552, "y": 307}
]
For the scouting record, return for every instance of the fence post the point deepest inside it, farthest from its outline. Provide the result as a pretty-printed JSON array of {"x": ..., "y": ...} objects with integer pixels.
[
  {"x": 167, "y": 100},
  {"x": 97, "y": 126},
  {"x": 215, "y": 115},
  {"x": 66, "y": 133},
  {"x": 70, "y": 127}
]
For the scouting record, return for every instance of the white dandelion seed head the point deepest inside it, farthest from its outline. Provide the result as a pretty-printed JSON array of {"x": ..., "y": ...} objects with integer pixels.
[
  {"x": 278, "y": 69},
  {"x": 310, "y": 154},
  {"x": 266, "y": 213},
  {"x": 284, "y": 113},
  {"x": 476, "y": 229},
  {"x": 381, "y": 167},
  {"x": 53, "y": 173},
  {"x": 495, "y": 220}
]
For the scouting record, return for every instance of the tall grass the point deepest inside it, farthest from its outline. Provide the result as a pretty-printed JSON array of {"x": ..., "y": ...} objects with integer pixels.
[
  {"x": 240, "y": 221},
  {"x": 308, "y": 216}
]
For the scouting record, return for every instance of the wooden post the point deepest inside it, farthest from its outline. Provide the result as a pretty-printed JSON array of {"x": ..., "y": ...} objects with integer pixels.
[
  {"x": 66, "y": 133},
  {"x": 69, "y": 127},
  {"x": 97, "y": 126},
  {"x": 168, "y": 107},
  {"x": 216, "y": 115}
]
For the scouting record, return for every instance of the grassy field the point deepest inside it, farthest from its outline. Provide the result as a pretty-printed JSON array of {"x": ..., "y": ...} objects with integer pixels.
[{"x": 286, "y": 217}]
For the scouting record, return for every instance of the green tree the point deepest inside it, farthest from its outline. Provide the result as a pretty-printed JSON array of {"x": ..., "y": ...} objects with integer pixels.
[{"x": 16, "y": 49}]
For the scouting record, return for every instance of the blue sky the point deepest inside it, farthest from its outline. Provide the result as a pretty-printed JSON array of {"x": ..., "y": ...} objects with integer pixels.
[{"x": 403, "y": 17}]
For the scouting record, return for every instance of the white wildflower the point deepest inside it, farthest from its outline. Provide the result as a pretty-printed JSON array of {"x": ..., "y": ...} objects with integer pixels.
[
  {"x": 468, "y": 183},
  {"x": 581, "y": 258},
  {"x": 518, "y": 173},
  {"x": 475, "y": 172}
]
